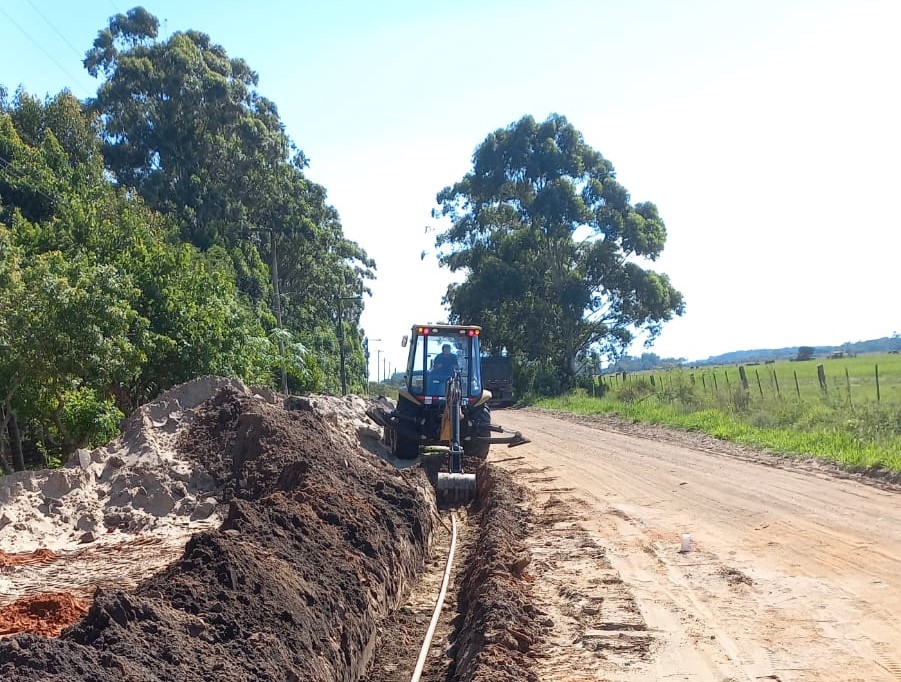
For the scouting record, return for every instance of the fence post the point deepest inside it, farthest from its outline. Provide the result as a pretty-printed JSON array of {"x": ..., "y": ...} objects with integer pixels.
[
  {"x": 743, "y": 376},
  {"x": 821, "y": 375},
  {"x": 877, "y": 383},
  {"x": 704, "y": 382},
  {"x": 776, "y": 382},
  {"x": 797, "y": 385},
  {"x": 716, "y": 387},
  {"x": 759, "y": 385},
  {"x": 848, "y": 384}
]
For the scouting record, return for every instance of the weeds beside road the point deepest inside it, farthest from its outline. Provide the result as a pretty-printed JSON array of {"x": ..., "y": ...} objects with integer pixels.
[{"x": 856, "y": 436}]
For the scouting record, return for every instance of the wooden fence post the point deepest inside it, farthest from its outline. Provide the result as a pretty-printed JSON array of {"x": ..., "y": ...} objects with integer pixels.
[
  {"x": 797, "y": 385},
  {"x": 743, "y": 376},
  {"x": 759, "y": 385},
  {"x": 877, "y": 383},
  {"x": 848, "y": 384},
  {"x": 821, "y": 375},
  {"x": 716, "y": 387},
  {"x": 776, "y": 382}
]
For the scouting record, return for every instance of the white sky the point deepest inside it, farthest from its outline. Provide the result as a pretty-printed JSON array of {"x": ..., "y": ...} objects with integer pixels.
[{"x": 766, "y": 131}]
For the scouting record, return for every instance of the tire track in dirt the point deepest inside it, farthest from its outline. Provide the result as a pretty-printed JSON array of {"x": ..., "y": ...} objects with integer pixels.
[
  {"x": 787, "y": 569},
  {"x": 593, "y": 624}
]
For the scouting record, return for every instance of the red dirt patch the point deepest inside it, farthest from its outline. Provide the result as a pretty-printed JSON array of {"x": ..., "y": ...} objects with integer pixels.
[
  {"x": 38, "y": 556},
  {"x": 44, "y": 614}
]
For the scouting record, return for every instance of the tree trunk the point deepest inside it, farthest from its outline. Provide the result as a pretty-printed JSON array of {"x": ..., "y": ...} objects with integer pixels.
[
  {"x": 5, "y": 466},
  {"x": 15, "y": 442}
]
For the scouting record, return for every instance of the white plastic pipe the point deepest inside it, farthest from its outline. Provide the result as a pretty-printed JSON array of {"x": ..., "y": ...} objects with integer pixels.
[{"x": 436, "y": 614}]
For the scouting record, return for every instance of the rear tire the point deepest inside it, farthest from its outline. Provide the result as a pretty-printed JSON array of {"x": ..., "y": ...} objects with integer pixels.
[{"x": 481, "y": 421}]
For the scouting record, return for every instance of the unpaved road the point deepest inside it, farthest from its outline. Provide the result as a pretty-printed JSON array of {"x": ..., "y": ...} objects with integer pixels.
[{"x": 794, "y": 574}]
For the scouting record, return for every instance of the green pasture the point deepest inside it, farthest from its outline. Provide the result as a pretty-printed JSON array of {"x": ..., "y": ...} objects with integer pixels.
[
  {"x": 783, "y": 408},
  {"x": 787, "y": 380}
]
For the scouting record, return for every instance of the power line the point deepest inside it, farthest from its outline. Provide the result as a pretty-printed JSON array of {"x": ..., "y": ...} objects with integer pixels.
[
  {"x": 20, "y": 175},
  {"x": 56, "y": 30},
  {"x": 39, "y": 46}
]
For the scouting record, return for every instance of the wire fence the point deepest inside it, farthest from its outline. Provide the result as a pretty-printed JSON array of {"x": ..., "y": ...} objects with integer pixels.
[{"x": 856, "y": 381}]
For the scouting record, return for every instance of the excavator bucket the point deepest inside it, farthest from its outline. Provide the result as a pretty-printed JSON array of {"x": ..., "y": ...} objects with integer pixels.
[{"x": 455, "y": 488}]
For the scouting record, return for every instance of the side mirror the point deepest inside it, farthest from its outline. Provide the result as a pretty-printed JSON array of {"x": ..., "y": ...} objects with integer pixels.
[{"x": 403, "y": 341}]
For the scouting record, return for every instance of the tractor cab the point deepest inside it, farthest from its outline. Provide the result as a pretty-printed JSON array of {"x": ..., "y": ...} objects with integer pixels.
[{"x": 436, "y": 353}]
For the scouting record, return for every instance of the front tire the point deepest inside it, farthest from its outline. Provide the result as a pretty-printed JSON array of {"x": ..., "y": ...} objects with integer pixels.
[{"x": 400, "y": 445}]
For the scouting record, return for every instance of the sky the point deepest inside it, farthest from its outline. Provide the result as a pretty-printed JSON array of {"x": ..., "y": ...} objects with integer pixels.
[{"x": 768, "y": 133}]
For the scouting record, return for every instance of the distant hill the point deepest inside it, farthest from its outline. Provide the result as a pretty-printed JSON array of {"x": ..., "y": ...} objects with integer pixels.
[{"x": 883, "y": 345}]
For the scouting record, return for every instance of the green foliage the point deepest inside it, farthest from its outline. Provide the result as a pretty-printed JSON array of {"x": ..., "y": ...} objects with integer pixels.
[
  {"x": 550, "y": 242},
  {"x": 184, "y": 125},
  {"x": 89, "y": 420},
  {"x": 805, "y": 353},
  {"x": 97, "y": 296},
  {"x": 113, "y": 291}
]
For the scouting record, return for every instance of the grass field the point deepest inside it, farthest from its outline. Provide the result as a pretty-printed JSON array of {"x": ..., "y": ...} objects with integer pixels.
[
  {"x": 783, "y": 409},
  {"x": 779, "y": 379}
]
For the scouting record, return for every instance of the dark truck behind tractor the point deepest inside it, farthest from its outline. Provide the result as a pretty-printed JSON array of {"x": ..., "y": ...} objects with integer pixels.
[{"x": 497, "y": 377}]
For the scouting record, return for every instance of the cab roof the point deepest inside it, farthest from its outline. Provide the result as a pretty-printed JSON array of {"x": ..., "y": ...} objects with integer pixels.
[{"x": 445, "y": 328}]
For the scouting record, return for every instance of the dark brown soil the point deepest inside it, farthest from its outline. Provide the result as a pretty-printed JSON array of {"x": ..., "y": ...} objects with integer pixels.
[
  {"x": 489, "y": 626},
  {"x": 499, "y": 626},
  {"x": 318, "y": 545}
]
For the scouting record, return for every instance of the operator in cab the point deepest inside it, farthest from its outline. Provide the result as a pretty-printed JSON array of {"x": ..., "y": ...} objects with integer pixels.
[{"x": 444, "y": 365}]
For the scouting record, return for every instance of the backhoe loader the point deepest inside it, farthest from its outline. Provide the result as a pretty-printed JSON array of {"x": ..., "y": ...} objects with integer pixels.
[{"x": 442, "y": 408}]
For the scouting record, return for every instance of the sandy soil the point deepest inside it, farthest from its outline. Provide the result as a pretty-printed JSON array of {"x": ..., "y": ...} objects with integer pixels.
[{"x": 792, "y": 572}]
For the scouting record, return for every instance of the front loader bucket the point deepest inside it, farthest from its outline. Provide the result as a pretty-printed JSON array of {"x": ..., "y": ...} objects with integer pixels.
[{"x": 455, "y": 488}]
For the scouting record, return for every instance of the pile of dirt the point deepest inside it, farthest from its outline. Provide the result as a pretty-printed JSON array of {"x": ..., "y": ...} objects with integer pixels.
[
  {"x": 318, "y": 543},
  {"x": 137, "y": 483},
  {"x": 500, "y": 626}
]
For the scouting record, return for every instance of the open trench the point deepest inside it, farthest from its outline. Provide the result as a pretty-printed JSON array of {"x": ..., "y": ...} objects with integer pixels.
[
  {"x": 488, "y": 626},
  {"x": 323, "y": 569}
]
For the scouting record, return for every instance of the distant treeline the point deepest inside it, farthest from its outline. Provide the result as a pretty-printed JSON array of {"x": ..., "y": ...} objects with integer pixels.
[
  {"x": 647, "y": 361},
  {"x": 886, "y": 344}
]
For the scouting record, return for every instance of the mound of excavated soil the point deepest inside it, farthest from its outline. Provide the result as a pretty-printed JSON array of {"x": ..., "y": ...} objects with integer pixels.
[
  {"x": 318, "y": 542},
  {"x": 500, "y": 625}
]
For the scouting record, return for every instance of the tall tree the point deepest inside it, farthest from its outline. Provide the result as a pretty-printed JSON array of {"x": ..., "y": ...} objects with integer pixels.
[
  {"x": 184, "y": 124},
  {"x": 552, "y": 249}
]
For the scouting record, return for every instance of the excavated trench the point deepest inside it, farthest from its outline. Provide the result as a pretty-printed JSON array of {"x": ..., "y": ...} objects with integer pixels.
[{"x": 321, "y": 570}]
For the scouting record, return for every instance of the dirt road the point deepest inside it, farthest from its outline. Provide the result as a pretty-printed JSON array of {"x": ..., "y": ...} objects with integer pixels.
[{"x": 793, "y": 573}]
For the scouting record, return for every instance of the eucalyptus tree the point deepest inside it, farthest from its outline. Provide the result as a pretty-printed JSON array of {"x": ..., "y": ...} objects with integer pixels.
[
  {"x": 184, "y": 124},
  {"x": 553, "y": 250}
]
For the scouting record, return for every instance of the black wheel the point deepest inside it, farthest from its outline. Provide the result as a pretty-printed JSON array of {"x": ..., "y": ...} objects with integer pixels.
[
  {"x": 478, "y": 422},
  {"x": 401, "y": 447}
]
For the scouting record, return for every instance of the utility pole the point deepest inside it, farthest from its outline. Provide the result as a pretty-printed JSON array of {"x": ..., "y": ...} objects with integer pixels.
[
  {"x": 378, "y": 355},
  {"x": 278, "y": 310},
  {"x": 342, "y": 352}
]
